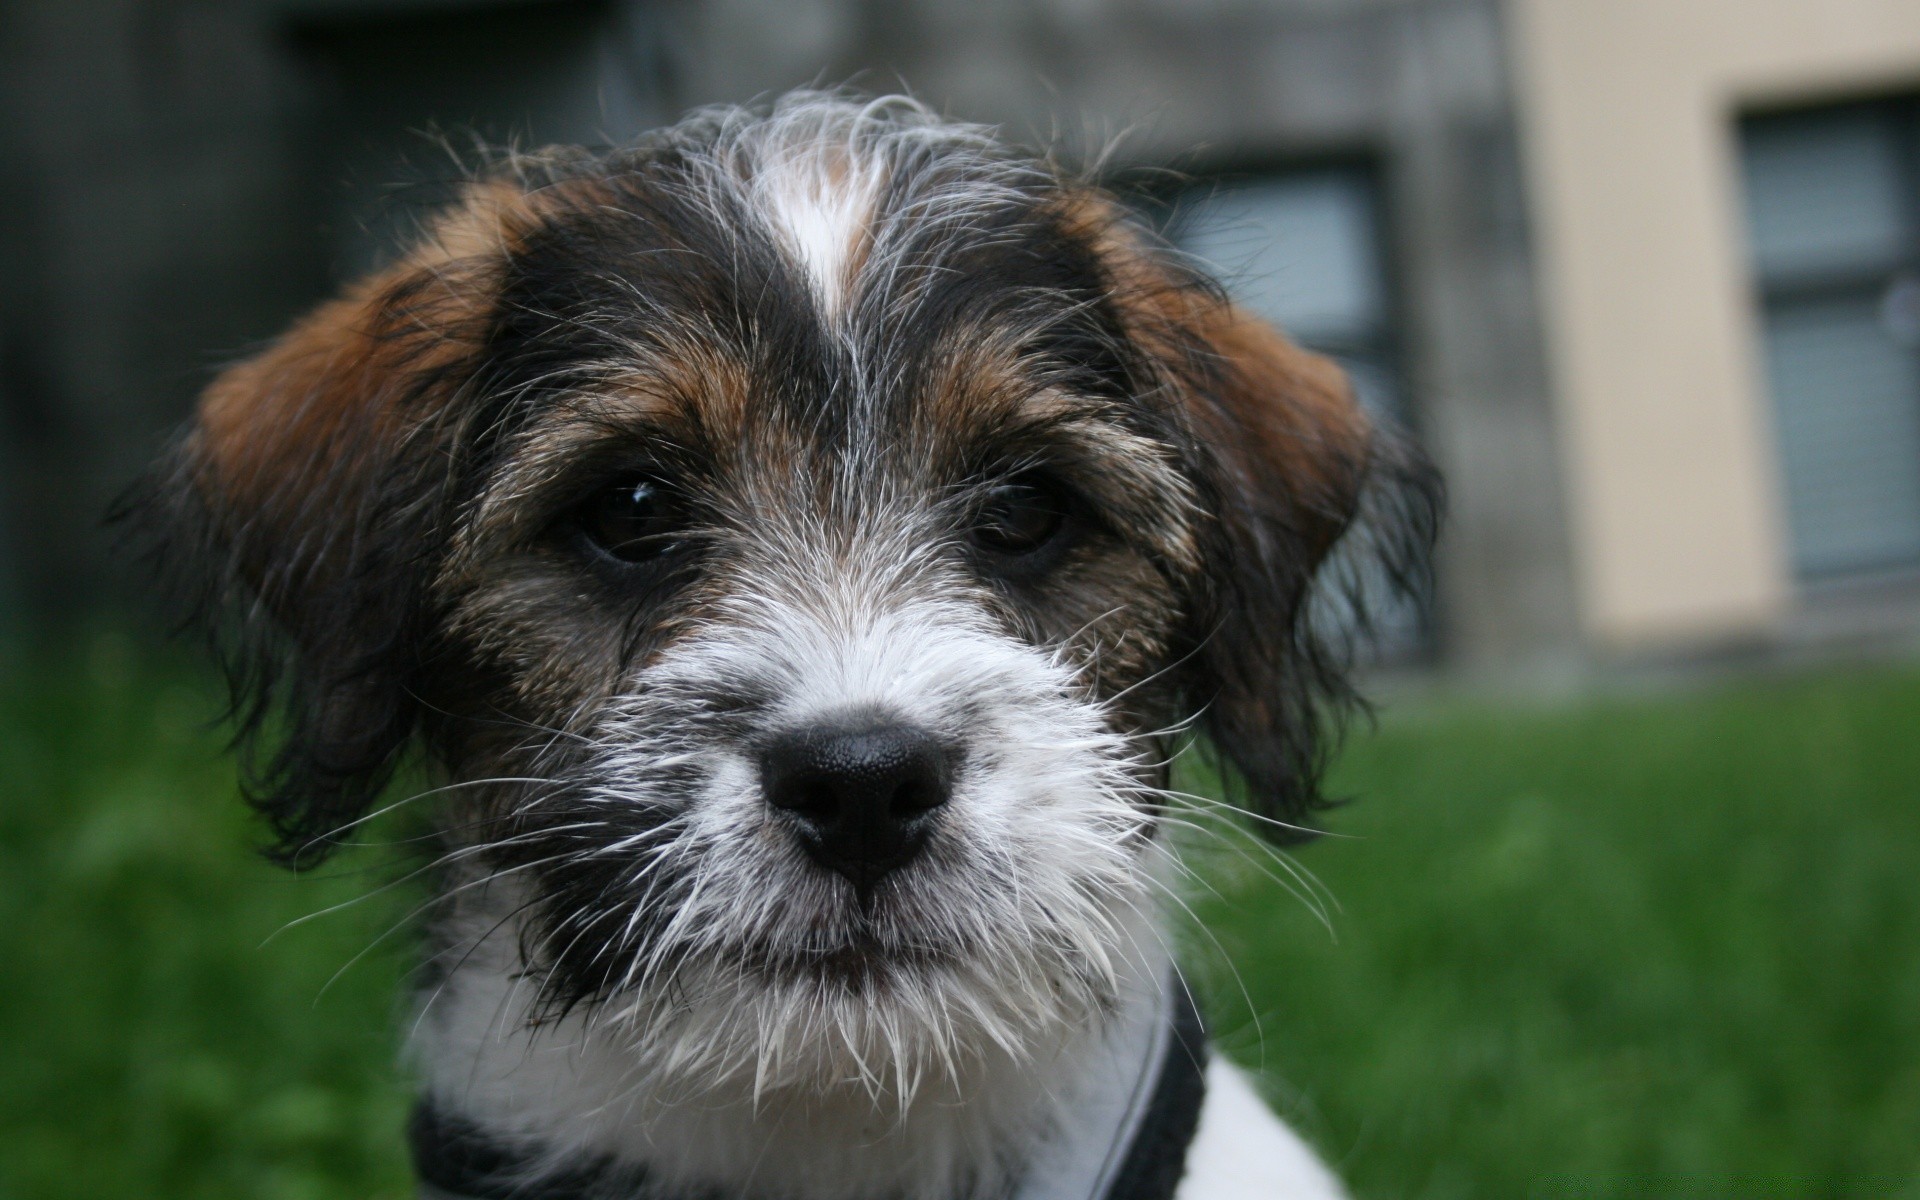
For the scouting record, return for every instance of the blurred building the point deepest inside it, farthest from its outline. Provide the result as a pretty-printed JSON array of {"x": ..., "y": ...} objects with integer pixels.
[{"x": 1641, "y": 274}]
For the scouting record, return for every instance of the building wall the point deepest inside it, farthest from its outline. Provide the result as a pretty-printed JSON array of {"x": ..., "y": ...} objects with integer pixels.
[
  {"x": 1628, "y": 113},
  {"x": 141, "y": 236}
]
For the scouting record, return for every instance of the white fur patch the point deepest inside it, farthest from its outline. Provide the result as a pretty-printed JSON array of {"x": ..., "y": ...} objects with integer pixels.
[
  {"x": 579, "y": 1089},
  {"x": 820, "y": 199},
  {"x": 1243, "y": 1152},
  {"x": 817, "y": 169}
]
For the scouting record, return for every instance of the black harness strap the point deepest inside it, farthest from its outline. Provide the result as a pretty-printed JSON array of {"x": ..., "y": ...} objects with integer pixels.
[
  {"x": 1158, "y": 1155},
  {"x": 457, "y": 1160}
]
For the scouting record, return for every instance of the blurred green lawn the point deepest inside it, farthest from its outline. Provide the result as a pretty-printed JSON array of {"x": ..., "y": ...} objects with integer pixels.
[{"x": 1653, "y": 947}]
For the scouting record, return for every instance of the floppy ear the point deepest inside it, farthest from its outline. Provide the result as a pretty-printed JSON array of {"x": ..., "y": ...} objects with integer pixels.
[
  {"x": 1313, "y": 509},
  {"x": 297, "y": 516},
  {"x": 1318, "y": 509}
]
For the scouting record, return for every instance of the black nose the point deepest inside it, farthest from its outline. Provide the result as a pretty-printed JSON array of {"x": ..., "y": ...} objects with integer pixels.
[{"x": 861, "y": 796}]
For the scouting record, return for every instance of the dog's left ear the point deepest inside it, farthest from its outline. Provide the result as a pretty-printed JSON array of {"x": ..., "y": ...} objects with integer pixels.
[
  {"x": 301, "y": 513},
  {"x": 1322, "y": 514},
  {"x": 1316, "y": 512}
]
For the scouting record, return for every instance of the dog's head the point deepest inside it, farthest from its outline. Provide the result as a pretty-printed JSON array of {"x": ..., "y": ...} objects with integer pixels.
[{"x": 798, "y": 541}]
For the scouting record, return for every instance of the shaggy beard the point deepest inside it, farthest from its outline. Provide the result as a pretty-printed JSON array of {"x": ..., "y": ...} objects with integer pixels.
[
  {"x": 946, "y": 1072},
  {"x": 888, "y": 1032},
  {"x": 740, "y": 970},
  {"x": 760, "y": 1014}
]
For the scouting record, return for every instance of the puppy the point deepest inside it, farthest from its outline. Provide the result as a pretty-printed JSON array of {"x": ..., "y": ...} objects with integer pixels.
[{"x": 796, "y": 543}]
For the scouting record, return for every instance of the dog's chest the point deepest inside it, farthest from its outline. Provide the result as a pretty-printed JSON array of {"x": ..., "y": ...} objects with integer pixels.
[{"x": 1140, "y": 1124}]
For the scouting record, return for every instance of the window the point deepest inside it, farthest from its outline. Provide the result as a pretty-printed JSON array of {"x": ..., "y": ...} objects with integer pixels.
[
  {"x": 1303, "y": 249},
  {"x": 1833, "y": 229}
]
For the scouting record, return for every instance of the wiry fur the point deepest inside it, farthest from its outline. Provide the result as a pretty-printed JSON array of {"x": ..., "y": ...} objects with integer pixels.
[{"x": 831, "y": 330}]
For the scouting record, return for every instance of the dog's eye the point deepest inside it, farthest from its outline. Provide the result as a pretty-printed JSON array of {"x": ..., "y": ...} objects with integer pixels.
[
  {"x": 1019, "y": 518},
  {"x": 633, "y": 521}
]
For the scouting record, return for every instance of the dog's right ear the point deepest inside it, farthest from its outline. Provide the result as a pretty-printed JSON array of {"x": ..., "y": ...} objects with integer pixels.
[
  {"x": 1287, "y": 465},
  {"x": 297, "y": 518}
]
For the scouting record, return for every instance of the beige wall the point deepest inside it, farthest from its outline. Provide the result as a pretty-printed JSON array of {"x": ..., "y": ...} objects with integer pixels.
[{"x": 1626, "y": 110}]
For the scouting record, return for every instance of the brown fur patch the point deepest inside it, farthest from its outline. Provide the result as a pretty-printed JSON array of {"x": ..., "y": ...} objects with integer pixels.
[
  {"x": 291, "y": 435},
  {"x": 1281, "y": 417}
]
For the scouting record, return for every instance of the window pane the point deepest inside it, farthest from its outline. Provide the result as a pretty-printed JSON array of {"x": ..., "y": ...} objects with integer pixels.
[
  {"x": 1847, "y": 399},
  {"x": 1299, "y": 251},
  {"x": 1823, "y": 192}
]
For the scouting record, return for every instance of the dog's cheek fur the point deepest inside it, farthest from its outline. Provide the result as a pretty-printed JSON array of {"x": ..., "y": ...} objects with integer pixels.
[{"x": 1114, "y": 615}]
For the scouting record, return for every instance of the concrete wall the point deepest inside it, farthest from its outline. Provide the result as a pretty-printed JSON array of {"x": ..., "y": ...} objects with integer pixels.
[
  {"x": 143, "y": 234},
  {"x": 1628, "y": 110}
]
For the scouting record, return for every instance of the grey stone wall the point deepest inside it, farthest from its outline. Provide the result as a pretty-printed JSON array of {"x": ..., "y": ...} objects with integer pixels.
[{"x": 144, "y": 235}]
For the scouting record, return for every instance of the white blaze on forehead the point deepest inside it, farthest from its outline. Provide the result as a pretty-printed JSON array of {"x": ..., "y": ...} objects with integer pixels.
[
  {"x": 819, "y": 199},
  {"x": 817, "y": 169}
]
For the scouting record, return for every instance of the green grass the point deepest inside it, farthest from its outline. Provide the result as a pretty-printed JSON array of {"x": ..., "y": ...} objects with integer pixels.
[
  {"x": 157, "y": 1042},
  {"x": 1663, "y": 947},
  {"x": 1657, "y": 948}
]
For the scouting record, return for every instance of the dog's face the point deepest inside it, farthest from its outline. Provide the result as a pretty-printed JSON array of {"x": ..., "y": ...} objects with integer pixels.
[{"x": 799, "y": 541}]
